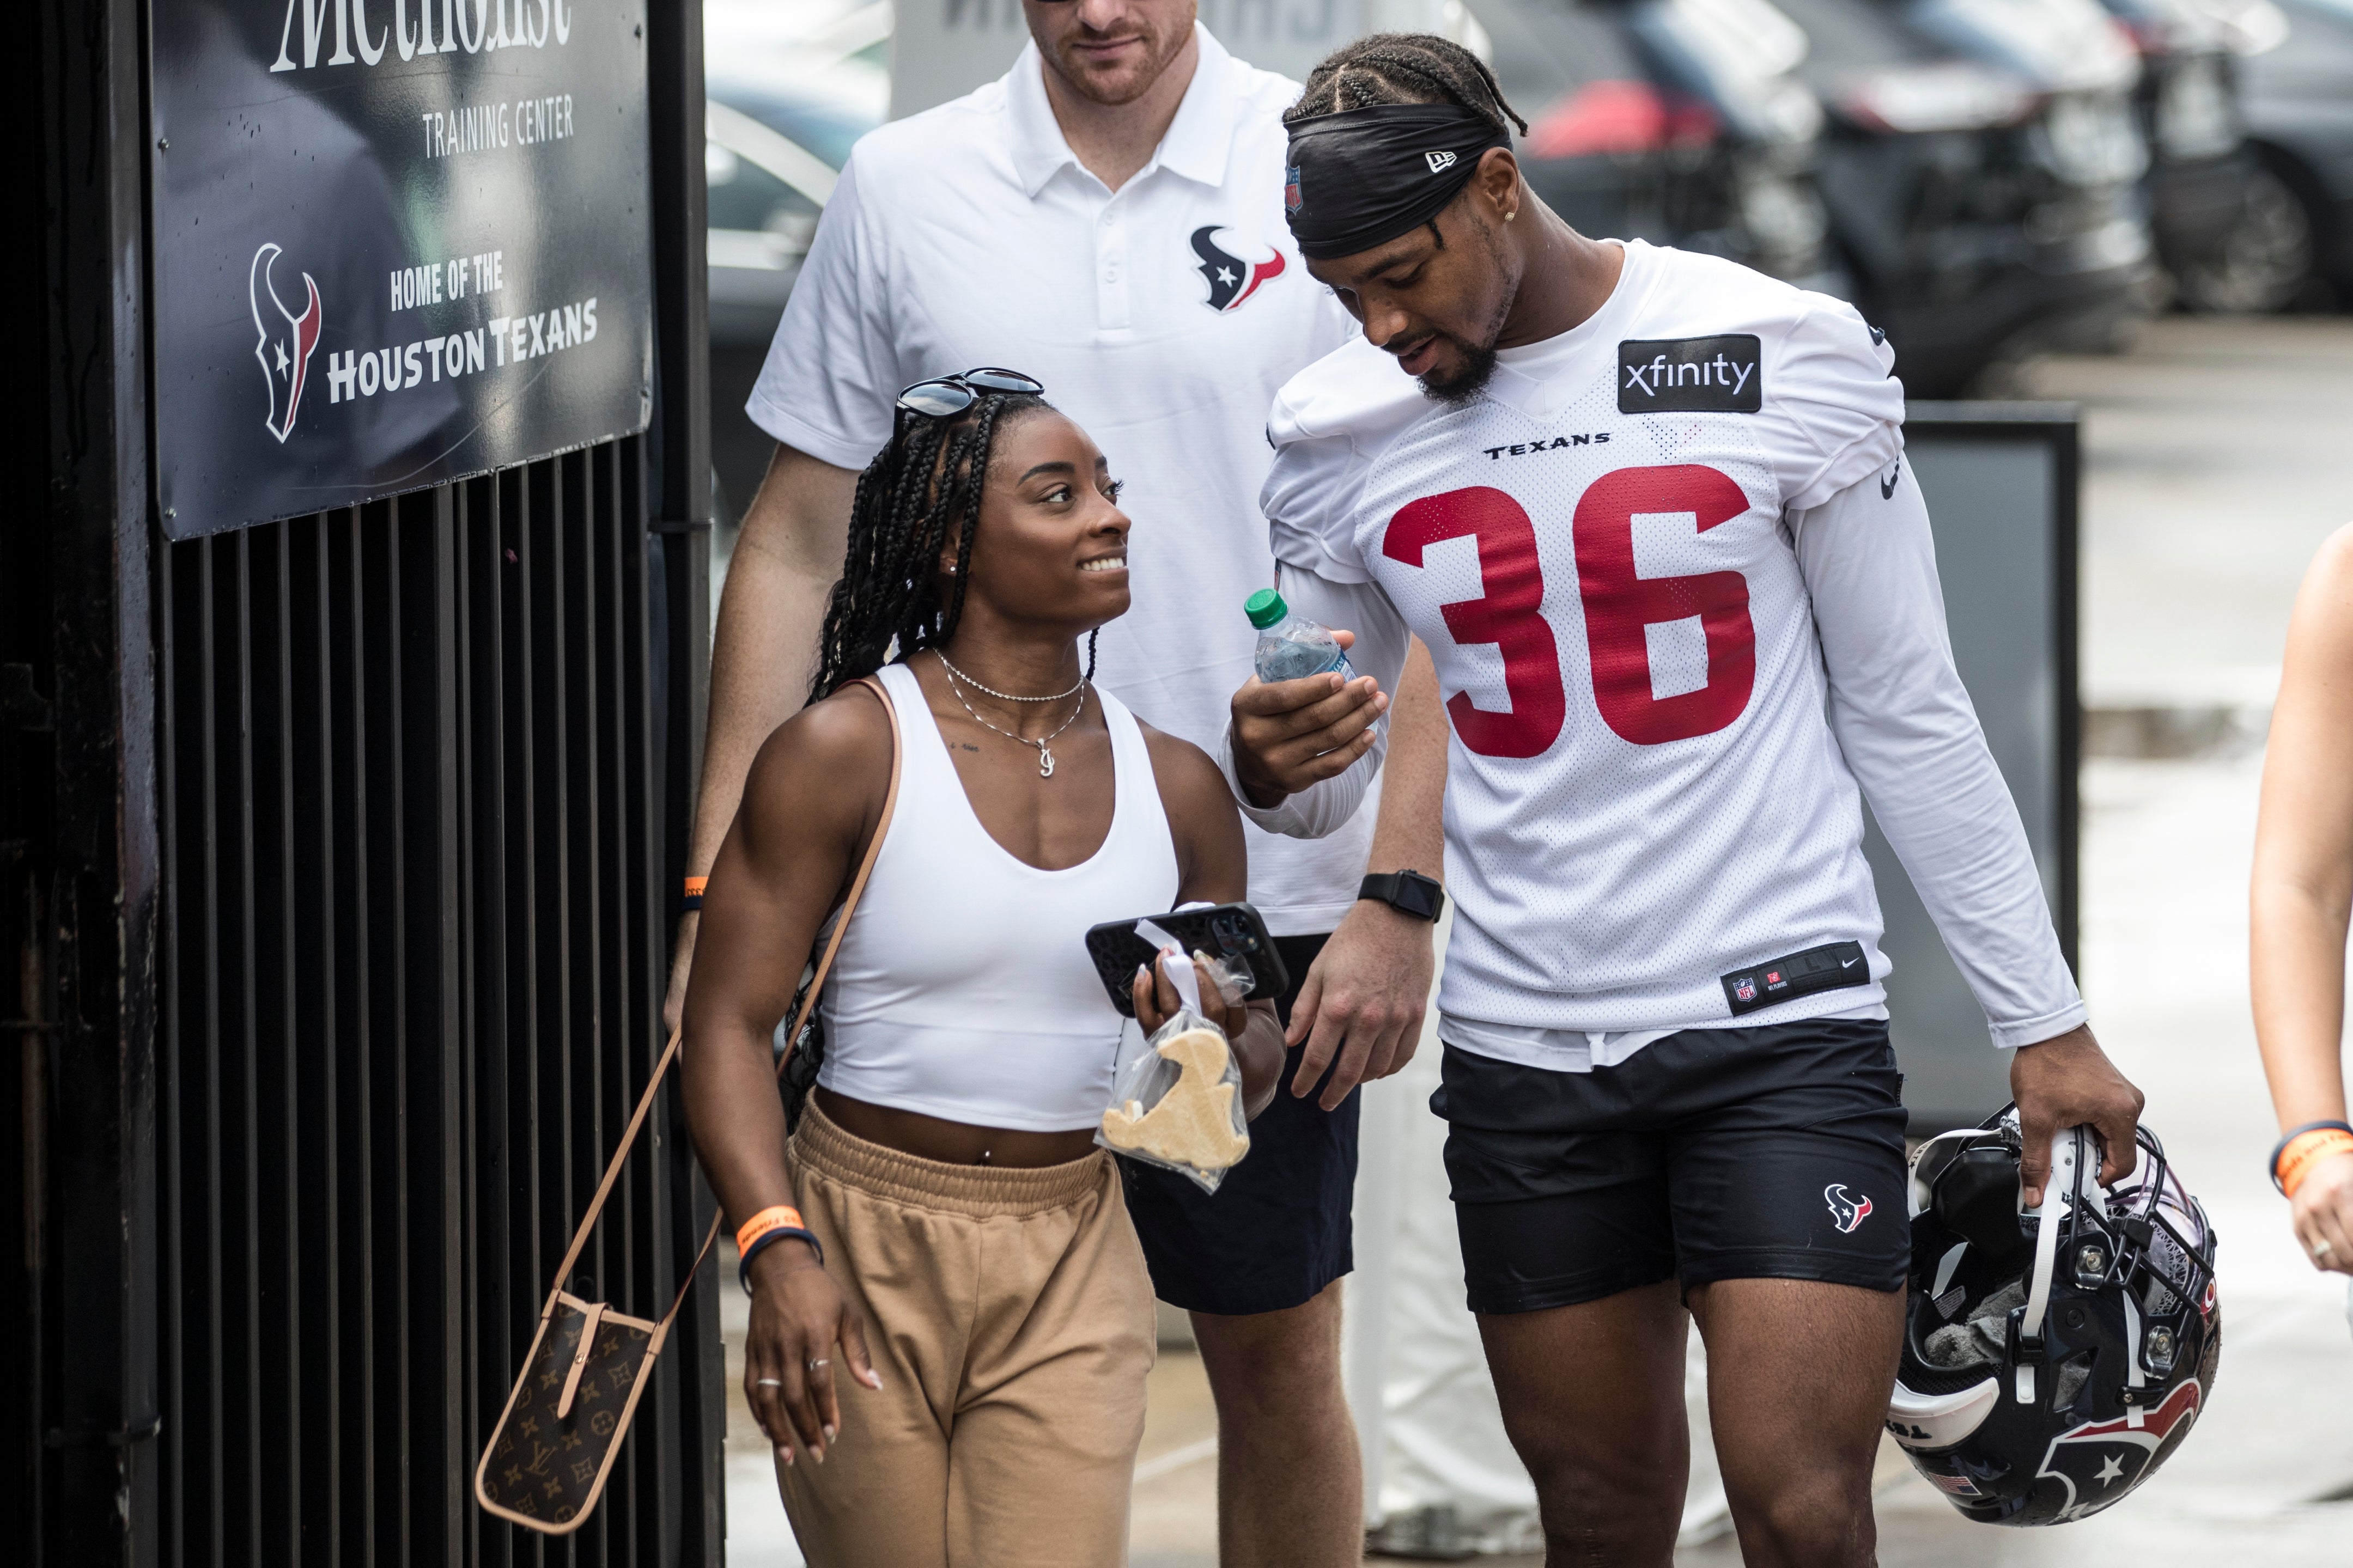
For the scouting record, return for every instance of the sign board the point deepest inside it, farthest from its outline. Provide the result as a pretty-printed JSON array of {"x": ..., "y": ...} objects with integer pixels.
[
  {"x": 945, "y": 49},
  {"x": 2000, "y": 483},
  {"x": 395, "y": 243}
]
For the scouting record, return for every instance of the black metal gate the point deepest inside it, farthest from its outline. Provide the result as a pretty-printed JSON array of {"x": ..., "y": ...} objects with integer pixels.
[{"x": 335, "y": 861}]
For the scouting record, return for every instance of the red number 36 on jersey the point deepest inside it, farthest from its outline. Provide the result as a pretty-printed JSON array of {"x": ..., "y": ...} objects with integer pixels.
[{"x": 1619, "y": 606}]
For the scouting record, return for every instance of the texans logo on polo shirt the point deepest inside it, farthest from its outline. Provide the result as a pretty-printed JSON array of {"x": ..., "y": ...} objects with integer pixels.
[{"x": 1232, "y": 280}]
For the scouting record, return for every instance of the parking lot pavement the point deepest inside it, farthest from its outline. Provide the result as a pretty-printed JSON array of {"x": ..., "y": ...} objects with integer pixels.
[{"x": 2216, "y": 456}]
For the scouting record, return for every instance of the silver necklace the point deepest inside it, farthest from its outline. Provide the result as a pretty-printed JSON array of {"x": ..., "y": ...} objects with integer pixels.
[
  {"x": 1003, "y": 695},
  {"x": 1045, "y": 745}
]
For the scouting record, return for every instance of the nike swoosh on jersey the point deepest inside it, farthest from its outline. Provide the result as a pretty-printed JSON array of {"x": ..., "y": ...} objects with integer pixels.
[{"x": 1888, "y": 485}]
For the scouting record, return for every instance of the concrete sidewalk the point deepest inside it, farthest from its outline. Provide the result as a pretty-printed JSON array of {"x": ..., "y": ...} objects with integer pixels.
[{"x": 2263, "y": 1475}]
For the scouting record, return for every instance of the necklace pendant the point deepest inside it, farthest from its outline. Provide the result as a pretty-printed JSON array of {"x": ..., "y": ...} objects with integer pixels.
[{"x": 1045, "y": 761}]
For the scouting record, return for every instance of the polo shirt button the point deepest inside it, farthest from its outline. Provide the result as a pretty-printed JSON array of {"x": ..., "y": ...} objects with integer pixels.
[{"x": 1111, "y": 274}]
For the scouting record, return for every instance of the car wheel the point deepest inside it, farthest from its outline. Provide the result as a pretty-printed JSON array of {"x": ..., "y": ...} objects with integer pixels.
[{"x": 2264, "y": 263}]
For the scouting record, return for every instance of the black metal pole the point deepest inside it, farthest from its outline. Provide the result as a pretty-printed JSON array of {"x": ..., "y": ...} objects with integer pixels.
[
  {"x": 96, "y": 1469},
  {"x": 680, "y": 535}
]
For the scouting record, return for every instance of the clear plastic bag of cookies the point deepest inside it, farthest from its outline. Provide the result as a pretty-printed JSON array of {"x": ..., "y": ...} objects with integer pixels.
[{"x": 1178, "y": 1105}]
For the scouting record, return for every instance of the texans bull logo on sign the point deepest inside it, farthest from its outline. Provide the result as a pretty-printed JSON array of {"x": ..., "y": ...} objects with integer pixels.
[
  {"x": 285, "y": 340},
  {"x": 1847, "y": 1211},
  {"x": 1232, "y": 280},
  {"x": 2099, "y": 1461}
]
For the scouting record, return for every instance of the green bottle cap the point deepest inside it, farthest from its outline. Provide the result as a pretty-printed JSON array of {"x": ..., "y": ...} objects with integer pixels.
[{"x": 1264, "y": 608}]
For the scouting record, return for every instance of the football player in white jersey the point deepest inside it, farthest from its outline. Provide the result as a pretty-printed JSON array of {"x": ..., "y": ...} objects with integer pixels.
[{"x": 1649, "y": 511}]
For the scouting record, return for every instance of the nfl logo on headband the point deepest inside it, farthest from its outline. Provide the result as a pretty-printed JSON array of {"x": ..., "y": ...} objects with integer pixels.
[{"x": 1379, "y": 172}]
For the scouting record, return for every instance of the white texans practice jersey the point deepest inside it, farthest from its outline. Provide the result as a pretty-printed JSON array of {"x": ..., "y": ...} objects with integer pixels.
[{"x": 1648, "y": 821}]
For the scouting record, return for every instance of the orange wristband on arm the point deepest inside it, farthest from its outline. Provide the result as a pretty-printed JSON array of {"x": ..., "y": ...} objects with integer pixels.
[
  {"x": 776, "y": 1216},
  {"x": 781, "y": 1222},
  {"x": 2304, "y": 1149}
]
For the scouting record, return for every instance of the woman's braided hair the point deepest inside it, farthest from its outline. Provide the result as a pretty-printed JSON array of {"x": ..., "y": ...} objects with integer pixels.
[
  {"x": 1403, "y": 68},
  {"x": 920, "y": 492}
]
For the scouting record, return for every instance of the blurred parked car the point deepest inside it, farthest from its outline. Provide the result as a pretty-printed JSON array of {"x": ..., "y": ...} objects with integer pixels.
[
  {"x": 788, "y": 89},
  {"x": 1670, "y": 121},
  {"x": 2227, "y": 228},
  {"x": 1982, "y": 172},
  {"x": 785, "y": 100},
  {"x": 2296, "y": 89}
]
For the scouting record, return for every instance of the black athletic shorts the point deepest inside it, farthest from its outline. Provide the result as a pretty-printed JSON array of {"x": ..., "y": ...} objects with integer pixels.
[
  {"x": 1774, "y": 1152},
  {"x": 1276, "y": 1231}
]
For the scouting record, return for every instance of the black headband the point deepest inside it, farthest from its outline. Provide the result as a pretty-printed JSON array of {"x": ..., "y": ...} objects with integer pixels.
[{"x": 1364, "y": 177}]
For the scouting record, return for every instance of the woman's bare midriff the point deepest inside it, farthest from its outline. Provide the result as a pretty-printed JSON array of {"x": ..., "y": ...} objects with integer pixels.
[{"x": 952, "y": 1143}]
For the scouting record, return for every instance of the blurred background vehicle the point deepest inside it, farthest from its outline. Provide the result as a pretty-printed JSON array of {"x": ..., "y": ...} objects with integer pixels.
[
  {"x": 2228, "y": 230},
  {"x": 1672, "y": 120},
  {"x": 1987, "y": 179},
  {"x": 790, "y": 87},
  {"x": 2296, "y": 91},
  {"x": 1981, "y": 170}
]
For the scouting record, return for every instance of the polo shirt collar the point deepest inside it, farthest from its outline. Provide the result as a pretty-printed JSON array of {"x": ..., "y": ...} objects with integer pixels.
[{"x": 1196, "y": 145}]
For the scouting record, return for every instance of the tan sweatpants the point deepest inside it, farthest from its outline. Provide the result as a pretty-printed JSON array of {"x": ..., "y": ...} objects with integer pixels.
[{"x": 1010, "y": 1321}]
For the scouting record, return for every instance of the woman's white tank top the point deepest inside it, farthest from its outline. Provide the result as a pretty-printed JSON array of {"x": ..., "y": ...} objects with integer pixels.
[{"x": 962, "y": 988}]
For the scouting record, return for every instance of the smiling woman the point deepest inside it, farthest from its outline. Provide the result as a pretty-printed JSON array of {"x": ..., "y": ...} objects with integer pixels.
[{"x": 942, "y": 1179}]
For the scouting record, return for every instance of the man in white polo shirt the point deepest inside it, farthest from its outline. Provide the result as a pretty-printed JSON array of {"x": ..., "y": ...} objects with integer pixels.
[{"x": 1108, "y": 218}]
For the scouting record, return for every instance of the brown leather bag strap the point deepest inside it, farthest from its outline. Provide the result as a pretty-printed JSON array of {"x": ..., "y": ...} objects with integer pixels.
[
  {"x": 669, "y": 1053},
  {"x": 612, "y": 1173}
]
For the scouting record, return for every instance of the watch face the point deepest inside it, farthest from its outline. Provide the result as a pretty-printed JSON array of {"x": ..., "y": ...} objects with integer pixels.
[{"x": 1409, "y": 892}]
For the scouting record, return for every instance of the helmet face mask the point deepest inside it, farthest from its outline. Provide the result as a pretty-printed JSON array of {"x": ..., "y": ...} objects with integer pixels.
[{"x": 2024, "y": 1416}]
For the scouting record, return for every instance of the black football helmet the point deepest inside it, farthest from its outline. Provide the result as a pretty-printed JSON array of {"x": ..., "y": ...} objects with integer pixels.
[{"x": 2052, "y": 1361}]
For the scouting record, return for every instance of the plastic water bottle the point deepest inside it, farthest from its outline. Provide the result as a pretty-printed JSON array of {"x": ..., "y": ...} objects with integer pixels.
[{"x": 1292, "y": 647}]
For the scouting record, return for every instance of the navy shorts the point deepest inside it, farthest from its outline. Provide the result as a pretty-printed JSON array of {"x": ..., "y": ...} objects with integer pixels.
[
  {"x": 1277, "y": 1229},
  {"x": 1774, "y": 1152}
]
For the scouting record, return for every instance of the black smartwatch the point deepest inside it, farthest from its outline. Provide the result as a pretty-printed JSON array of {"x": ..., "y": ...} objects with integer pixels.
[{"x": 1407, "y": 892}]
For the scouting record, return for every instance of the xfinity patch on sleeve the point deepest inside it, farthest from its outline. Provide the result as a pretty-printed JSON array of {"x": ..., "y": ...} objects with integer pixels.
[
  {"x": 1830, "y": 967},
  {"x": 1690, "y": 375}
]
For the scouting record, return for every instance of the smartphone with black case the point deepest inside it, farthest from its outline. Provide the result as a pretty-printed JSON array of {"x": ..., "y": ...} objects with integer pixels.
[{"x": 1221, "y": 931}]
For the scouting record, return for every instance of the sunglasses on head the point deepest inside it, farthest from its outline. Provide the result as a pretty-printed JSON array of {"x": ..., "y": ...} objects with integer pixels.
[{"x": 945, "y": 394}]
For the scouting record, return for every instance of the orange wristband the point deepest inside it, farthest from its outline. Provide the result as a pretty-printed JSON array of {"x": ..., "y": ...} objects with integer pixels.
[
  {"x": 2306, "y": 1149},
  {"x": 781, "y": 1216}
]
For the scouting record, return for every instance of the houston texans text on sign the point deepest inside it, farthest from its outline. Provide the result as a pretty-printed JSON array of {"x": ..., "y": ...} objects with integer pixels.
[
  {"x": 362, "y": 373},
  {"x": 399, "y": 242}
]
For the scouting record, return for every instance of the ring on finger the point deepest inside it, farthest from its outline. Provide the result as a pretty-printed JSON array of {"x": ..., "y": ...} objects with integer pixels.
[
  {"x": 820, "y": 1362},
  {"x": 2321, "y": 1248},
  {"x": 769, "y": 1383}
]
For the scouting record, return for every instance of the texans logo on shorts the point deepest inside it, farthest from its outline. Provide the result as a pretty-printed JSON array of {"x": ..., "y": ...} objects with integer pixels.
[
  {"x": 1232, "y": 280},
  {"x": 1846, "y": 1212}
]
